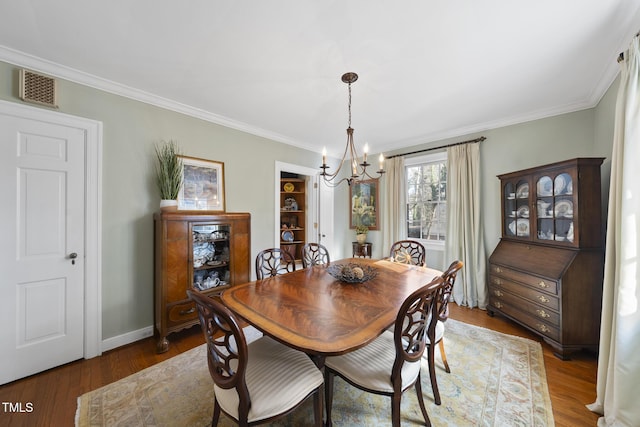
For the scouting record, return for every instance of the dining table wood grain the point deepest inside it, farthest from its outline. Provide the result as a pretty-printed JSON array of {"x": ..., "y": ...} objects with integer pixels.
[{"x": 313, "y": 312}]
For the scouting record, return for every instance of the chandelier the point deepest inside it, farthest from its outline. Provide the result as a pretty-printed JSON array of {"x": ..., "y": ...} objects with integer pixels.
[{"x": 358, "y": 170}]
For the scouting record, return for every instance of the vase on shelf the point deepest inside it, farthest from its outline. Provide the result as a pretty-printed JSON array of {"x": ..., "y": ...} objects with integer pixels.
[{"x": 361, "y": 238}]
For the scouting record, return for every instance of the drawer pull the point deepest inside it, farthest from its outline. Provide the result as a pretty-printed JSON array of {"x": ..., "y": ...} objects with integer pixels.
[
  {"x": 498, "y": 270},
  {"x": 544, "y": 299},
  {"x": 185, "y": 312},
  {"x": 543, "y": 285},
  {"x": 543, "y": 314},
  {"x": 497, "y": 281},
  {"x": 498, "y": 293},
  {"x": 498, "y": 304},
  {"x": 543, "y": 328}
]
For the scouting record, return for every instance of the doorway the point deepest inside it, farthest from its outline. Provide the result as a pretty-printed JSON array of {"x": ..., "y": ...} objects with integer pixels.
[{"x": 319, "y": 205}]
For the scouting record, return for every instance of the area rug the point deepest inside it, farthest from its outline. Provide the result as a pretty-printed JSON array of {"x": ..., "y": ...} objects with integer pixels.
[{"x": 495, "y": 380}]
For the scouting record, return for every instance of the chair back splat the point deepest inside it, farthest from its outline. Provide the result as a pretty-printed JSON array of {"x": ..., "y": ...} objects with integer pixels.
[
  {"x": 274, "y": 261},
  {"x": 408, "y": 252},
  {"x": 257, "y": 382},
  {"x": 314, "y": 254}
]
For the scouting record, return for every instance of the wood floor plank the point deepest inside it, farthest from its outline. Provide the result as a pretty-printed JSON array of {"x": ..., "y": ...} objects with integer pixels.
[{"x": 54, "y": 392}]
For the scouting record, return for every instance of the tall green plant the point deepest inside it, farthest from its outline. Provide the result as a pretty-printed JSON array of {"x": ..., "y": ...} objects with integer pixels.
[{"x": 169, "y": 169}]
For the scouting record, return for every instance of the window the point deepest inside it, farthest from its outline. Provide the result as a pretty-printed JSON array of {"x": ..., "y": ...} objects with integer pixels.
[{"x": 426, "y": 197}]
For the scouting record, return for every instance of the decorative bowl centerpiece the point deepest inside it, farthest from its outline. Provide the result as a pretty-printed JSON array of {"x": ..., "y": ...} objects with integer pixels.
[{"x": 352, "y": 272}]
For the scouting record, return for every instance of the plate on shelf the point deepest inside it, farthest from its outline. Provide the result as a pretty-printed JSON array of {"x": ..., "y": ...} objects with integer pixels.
[
  {"x": 289, "y": 187},
  {"x": 560, "y": 185},
  {"x": 522, "y": 191},
  {"x": 287, "y": 236},
  {"x": 523, "y": 211},
  {"x": 564, "y": 209},
  {"x": 522, "y": 225},
  {"x": 545, "y": 186}
]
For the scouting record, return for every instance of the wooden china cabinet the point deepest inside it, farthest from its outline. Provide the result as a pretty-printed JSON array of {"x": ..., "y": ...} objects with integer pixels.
[
  {"x": 201, "y": 249},
  {"x": 546, "y": 273}
]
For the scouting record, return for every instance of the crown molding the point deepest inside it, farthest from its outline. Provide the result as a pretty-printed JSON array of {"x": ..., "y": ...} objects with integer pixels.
[{"x": 53, "y": 69}]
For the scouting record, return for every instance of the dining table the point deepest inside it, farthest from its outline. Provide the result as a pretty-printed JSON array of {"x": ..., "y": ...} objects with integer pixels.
[{"x": 312, "y": 311}]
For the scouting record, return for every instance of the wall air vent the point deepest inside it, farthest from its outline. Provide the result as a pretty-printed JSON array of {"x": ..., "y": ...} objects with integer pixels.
[{"x": 37, "y": 88}]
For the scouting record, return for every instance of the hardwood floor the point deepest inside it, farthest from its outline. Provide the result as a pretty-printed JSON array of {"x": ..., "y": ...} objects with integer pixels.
[{"x": 53, "y": 394}]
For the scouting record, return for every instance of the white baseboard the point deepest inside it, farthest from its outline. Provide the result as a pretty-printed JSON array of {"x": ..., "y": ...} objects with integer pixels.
[{"x": 128, "y": 338}]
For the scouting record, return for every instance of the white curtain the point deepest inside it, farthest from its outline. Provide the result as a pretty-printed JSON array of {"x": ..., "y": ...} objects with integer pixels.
[
  {"x": 464, "y": 230},
  {"x": 394, "y": 218},
  {"x": 619, "y": 356}
]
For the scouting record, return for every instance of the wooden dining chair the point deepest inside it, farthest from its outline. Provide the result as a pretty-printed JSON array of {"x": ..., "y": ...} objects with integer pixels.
[
  {"x": 408, "y": 252},
  {"x": 442, "y": 313},
  {"x": 390, "y": 364},
  {"x": 274, "y": 261},
  {"x": 257, "y": 382},
  {"x": 314, "y": 254}
]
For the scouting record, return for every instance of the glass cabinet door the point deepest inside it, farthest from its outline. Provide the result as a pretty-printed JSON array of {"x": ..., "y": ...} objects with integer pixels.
[
  {"x": 210, "y": 256},
  {"x": 516, "y": 209},
  {"x": 554, "y": 208}
]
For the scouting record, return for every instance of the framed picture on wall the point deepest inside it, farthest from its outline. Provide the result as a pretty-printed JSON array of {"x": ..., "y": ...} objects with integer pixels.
[
  {"x": 202, "y": 185},
  {"x": 363, "y": 204}
]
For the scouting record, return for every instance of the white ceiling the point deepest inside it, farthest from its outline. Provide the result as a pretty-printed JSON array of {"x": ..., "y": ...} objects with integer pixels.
[{"x": 429, "y": 69}]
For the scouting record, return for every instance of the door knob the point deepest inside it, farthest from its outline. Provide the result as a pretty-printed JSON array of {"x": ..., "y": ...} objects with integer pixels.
[{"x": 72, "y": 257}]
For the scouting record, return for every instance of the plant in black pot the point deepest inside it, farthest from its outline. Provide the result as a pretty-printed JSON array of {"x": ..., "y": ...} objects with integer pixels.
[{"x": 168, "y": 173}]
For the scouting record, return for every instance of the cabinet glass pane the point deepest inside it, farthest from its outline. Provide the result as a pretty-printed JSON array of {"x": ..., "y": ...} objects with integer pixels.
[
  {"x": 544, "y": 208},
  {"x": 517, "y": 209},
  {"x": 210, "y": 256},
  {"x": 509, "y": 213}
]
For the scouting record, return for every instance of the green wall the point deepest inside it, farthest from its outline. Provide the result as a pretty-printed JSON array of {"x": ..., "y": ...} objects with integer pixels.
[{"x": 130, "y": 196}]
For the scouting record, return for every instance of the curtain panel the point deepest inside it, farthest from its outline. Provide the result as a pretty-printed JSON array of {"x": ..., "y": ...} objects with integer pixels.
[
  {"x": 464, "y": 239},
  {"x": 618, "y": 357},
  {"x": 394, "y": 218}
]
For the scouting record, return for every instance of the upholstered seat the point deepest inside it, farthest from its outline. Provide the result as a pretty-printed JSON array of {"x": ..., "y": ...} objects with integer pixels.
[{"x": 277, "y": 376}]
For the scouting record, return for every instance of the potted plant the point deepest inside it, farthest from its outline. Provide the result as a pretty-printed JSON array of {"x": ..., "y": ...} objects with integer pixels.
[
  {"x": 361, "y": 233},
  {"x": 169, "y": 173}
]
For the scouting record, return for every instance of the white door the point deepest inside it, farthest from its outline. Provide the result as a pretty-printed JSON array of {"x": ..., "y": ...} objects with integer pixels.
[
  {"x": 42, "y": 223},
  {"x": 325, "y": 215}
]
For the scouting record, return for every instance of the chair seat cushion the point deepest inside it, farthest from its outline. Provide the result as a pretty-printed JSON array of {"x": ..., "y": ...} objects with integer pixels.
[
  {"x": 278, "y": 378},
  {"x": 371, "y": 365}
]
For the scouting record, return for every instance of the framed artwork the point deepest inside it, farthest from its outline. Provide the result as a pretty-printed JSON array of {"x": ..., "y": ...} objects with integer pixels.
[
  {"x": 202, "y": 185},
  {"x": 363, "y": 204}
]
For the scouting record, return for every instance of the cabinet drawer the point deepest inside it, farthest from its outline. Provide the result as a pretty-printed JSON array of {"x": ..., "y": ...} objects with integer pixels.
[
  {"x": 527, "y": 279},
  {"x": 180, "y": 313},
  {"x": 534, "y": 310},
  {"x": 532, "y": 294},
  {"x": 535, "y": 324}
]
